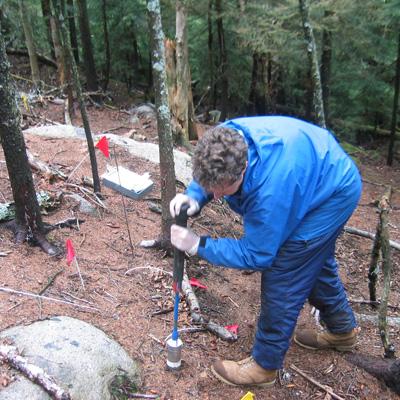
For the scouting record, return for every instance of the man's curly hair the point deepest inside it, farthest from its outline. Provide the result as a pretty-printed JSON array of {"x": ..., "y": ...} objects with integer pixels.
[{"x": 219, "y": 157}]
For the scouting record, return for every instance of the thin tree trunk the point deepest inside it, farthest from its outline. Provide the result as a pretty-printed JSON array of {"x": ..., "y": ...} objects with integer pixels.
[
  {"x": 223, "y": 61},
  {"x": 314, "y": 68},
  {"x": 167, "y": 170},
  {"x": 106, "y": 45},
  {"x": 72, "y": 29},
  {"x": 30, "y": 42},
  {"x": 60, "y": 59},
  {"x": 325, "y": 70},
  {"x": 46, "y": 12},
  {"x": 78, "y": 90},
  {"x": 395, "y": 107},
  {"x": 28, "y": 220},
  {"x": 211, "y": 68},
  {"x": 374, "y": 264},
  {"x": 384, "y": 207},
  {"x": 259, "y": 96},
  {"x": 88, "y": 58},
  {"x": 184, "y": 101},
  {"x": 64, "y": 69}
]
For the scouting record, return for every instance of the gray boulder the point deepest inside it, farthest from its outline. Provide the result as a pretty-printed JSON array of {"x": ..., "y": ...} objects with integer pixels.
[{"x": 82, "y": 359}]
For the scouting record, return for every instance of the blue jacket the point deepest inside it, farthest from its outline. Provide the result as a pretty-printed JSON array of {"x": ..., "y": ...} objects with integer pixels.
[{"x": 299, "y": 184}]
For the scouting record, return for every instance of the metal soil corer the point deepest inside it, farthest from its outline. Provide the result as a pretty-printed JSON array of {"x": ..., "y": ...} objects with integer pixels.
[{"x": 174, "y": 344}]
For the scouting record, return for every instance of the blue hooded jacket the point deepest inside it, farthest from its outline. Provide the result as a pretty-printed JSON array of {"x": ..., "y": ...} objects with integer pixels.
[{"x": 299, "y": 184}]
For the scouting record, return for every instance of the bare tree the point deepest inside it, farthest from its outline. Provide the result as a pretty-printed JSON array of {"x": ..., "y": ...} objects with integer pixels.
[
  {"x": 46, "y": 12},
  {"x": 106, "y": 45},
  {"x": 395, "y": 106},
  {"x": 167, "y": 170},
  {"x": 30, "y": 43},
  {"x": 78, "y": 89},
  {"x": 28, "y": 221},
  {"x": 314, "y": 67},
  {"x": 184, "y": 110},
  {"x": 88, "y": 58},
  {"x": 72, "y": 29},
  {"x": 223, "y": 61}
]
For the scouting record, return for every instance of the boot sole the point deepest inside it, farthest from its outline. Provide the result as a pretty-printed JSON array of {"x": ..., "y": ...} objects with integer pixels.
[
  {"x": 222, "y": 379},
  {"x": 338, "y": 348}
]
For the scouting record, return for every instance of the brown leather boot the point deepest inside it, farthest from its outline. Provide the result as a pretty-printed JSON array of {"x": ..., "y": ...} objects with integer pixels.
[
  {"x": 244, "y": 372},
  {"x": 312, "y": 340}
]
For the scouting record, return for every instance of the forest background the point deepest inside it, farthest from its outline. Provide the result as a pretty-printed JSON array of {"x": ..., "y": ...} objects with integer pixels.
[{"x": 246, "y": 57}]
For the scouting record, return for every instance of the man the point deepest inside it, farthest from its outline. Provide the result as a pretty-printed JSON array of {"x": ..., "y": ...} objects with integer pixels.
[{"x": 295, "y": 188}]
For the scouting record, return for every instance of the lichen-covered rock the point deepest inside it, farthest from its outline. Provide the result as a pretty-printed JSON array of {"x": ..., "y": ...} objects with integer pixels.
[{"x": 82, "y": 359}]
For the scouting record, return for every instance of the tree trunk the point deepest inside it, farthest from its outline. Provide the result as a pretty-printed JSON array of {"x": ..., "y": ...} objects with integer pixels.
[
  {"x": 88, "y": 58},
  {"x": 28, "y": 221},
  {"x": 106, "y": 45},
  {"x": 46, "y": 12},
  {"x": 395, "y": 107},
  {"x": 64, "y": 68},
  {"x": 384, "y": 207},
  {"x": 259, "y": 97},
  {"x": 72, "y": 29},
  {"x": 223, "y": 61},
  {"x": 60, "y": 59},
  {"x": 184, "y": 98},
  {"x": 211, "y": 69},
  {"x": 78, "y": 90},
  {"x": 325, "y": 70},
  {"x": 314, "y": 68},
  {"x": 30, "y": 43},
  {"x": 167, "y": 170}
]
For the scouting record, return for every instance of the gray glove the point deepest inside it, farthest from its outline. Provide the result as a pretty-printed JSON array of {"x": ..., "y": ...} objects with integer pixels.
[
  {"x": 184, "y": 239},
  {"x": 180, "y": 199}
]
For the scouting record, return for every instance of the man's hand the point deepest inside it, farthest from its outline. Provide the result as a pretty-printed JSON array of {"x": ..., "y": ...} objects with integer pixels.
[
  {"x": 180, "y": 199},
  {"x": 184, "y": 239}
]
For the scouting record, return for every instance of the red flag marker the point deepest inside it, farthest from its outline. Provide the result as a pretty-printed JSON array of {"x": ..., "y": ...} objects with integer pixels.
[
  {"x": 196, "y": 283},
  {"x": 232, "y": 328},
  {"x": 70, "y": 251},
  {"x": 102, "y": 145}
]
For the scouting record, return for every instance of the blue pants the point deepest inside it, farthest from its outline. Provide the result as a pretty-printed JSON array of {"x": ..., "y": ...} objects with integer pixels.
[{"x": 302, "y": 270}]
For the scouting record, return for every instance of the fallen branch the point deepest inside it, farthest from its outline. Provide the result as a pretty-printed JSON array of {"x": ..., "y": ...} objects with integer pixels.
[
  {"x": 52, "y": 299},
  {"x": 72, "y": 223},
  {"x": 36, "y": 374},
  {"x": 326, "y": 388},
  {"x": 368, "y": 235},
  {"x": 50, "y": 281},
  {"x": 47, "y": 171},
  {"x": 373, "y": 319}
]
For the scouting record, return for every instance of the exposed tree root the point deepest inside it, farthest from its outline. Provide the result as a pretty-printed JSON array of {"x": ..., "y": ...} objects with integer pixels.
[
  {"x": 22, "y": 234},
  {"x": 386, "y": 370}
]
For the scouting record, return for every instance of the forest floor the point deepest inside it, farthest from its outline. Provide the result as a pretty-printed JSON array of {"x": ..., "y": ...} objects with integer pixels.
[{"x": 123, "y": 280}]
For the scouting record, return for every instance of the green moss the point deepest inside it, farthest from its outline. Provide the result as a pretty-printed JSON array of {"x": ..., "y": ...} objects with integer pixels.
[{"x": 121, "y": 388}]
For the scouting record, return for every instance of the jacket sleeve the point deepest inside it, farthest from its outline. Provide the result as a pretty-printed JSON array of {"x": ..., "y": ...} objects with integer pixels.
[
  {"x": 270, "y": 215},
  {"x": 197, "y": 192}
]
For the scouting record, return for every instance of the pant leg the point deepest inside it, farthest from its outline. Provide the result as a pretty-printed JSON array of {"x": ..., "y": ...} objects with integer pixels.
[
  {"x": 329, "y": 297},
  {"x": 285, "y": 286}
]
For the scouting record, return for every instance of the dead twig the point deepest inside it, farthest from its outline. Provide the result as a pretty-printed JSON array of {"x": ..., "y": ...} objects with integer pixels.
[
  {"x": 326, "y": 388},
  {"x": 36, "y": 374},
  {"x": 50, "y": 281},
  {"x": 52, "y": 299}
]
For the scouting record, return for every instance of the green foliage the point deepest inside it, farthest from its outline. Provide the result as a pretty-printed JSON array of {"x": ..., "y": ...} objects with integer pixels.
[
  {"x": 121, "y": 387},
  {"x": 364, "y": 40}
]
